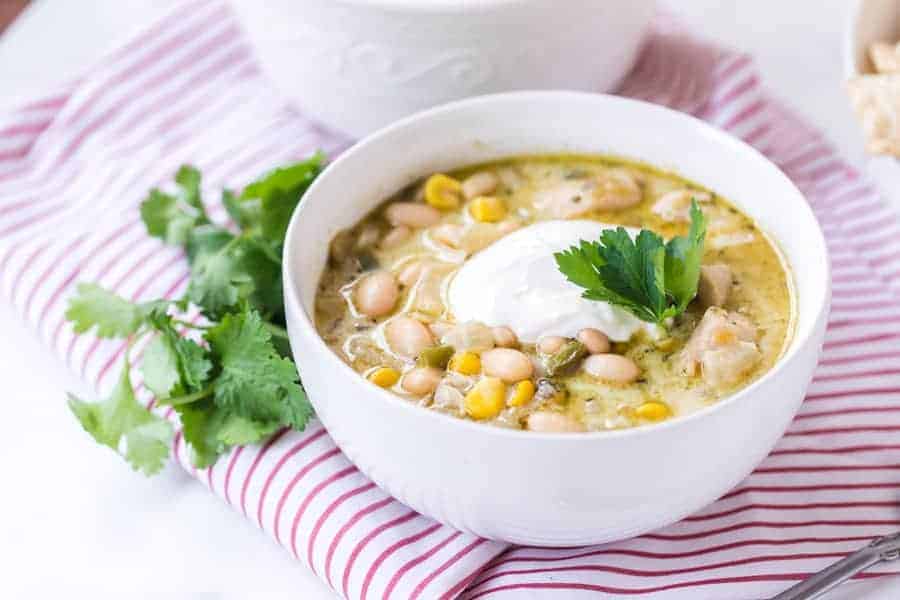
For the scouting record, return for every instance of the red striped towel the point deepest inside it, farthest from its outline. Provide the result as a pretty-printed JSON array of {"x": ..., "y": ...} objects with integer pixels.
[{"x": 74, "y": 166}]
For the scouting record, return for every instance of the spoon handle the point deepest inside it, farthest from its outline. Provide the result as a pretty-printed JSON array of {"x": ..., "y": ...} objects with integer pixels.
[{"x": 881, "y": 549}]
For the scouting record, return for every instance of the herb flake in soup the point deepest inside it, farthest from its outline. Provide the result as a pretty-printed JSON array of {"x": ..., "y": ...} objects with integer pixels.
[{"x": 457, "y": 294}]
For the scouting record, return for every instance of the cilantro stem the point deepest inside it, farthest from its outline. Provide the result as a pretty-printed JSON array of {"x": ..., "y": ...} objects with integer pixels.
[
  {"x": 187, "y": 398},
  {"x": 231, "y": 244},
  {"x": 276, "y": 330},
  {"x": 190, "y": 325}
]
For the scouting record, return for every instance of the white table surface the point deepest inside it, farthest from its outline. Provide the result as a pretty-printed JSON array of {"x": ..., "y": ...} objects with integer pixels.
[{"x": 77, "y": 522}]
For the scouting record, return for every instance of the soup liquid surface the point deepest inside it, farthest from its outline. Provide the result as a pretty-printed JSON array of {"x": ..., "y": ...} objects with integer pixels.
[{"x": 760, "y": 294}]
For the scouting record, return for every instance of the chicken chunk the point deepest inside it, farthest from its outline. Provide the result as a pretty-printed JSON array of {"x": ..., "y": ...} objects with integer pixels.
[
  {"x": 715, "y": 285},
  {"x": 676, "y": 205},
  {"x": 723, "y": 365},
  {"x": 566, "y": 201},
  {"x": 612, "y": 190},
  {"x": 719, "y": 240},
  {"x": 615, "y": 190},
  {"x": 723, "y": 347}
]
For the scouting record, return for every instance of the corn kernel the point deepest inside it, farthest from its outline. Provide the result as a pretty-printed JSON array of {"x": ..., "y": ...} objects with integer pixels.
[
  {"x": 487, "y": 209},
  {"x": 653, "y": 411},
  {"x": 522, "y": 394},
  {"x": 723, "y": 337},
  {"x": 443, "y": 192},
  {"x": 384, "y": 377},
  {"x": 467, "y": 363},
  {"x": 485, "y": 400}
]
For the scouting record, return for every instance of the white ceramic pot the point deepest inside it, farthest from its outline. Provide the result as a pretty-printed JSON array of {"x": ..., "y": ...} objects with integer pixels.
[
  {"x": 358, "y": 65},
  {"x": 552, "y": 489}
]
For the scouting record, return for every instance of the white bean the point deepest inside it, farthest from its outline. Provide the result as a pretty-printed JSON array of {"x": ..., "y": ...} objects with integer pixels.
[
  {"x": 412, "y": 214},
  {"x": 504, "y": 337},
  {"x": 407, "y": 336},
  {"x": 421, "y": 380},
  {"x": 507, "y": 364},
  {"x": 611, "y": 367},
  {"x": 551, "y": 422},
  {"x": 594, "y": 340},
  {"x": 479, "y": 184},
  {"x": 395, "y": 237},
  {"x": 550, "y": 344},
  {"x": 377, "y": 294}
]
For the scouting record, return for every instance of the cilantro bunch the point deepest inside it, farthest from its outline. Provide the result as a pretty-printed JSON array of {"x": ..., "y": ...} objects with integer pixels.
[
  {"x": 652, "y": 279},
  {"x": 228, "y": 373}
]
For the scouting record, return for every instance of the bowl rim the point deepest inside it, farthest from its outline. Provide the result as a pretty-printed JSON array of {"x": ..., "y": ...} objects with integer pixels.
[{"x": 713, "y": 134}]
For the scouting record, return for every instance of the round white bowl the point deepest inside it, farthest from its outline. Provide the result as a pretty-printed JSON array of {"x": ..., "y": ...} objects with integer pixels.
[
  {"x": 358, "y": 65},
  {"x": 552, "y": 489}
]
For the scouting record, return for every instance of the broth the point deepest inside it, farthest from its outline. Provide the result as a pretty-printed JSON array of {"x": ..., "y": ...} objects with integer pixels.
[{"x": 754, "y": 322}]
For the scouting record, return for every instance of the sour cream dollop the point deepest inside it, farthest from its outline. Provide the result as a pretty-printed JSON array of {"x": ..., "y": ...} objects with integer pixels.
[{"x": 515, "y": 282}]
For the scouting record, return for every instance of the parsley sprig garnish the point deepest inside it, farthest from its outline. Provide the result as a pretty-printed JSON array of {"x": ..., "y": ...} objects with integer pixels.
[
  {"x": 228, "y": 373},
  {"x": 652, "y": 279}
]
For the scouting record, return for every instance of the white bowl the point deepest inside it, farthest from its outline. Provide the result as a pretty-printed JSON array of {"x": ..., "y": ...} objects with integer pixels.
[
  {"x": 552, "y": 489},
  {"x": 869, "y": 21},
  {"x": 358, "y": 65}
]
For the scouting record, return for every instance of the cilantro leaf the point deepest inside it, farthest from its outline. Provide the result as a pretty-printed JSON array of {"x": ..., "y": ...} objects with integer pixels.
[
  {"x": 192, "y": 362},
  {"x": 147, "y": 436},
  {"x": 205, "y": 241},
  {"x": 166, "y": 219},
  {"x": 188, "y": 180},
  {"x": 200, "y": 424},
  {"x": 579, "y": 263},
  {"x": 210, "y": 430},
  {"x": 172, "y": 217},
  {"x": 238, "y": 385},
  {"x": 651, "y": 279},
  {"x": 230, "y": 270},
  {"x": 112, "y": 315},
  {"x": 255, "y": 381},
  {"x": 237, "y": 431},
  {"x": 174, "y": 365},
  {"x": 266, "y": 205},
  {"x": 297, "y": 409},
  {"x": 683, "y": 256},
  {"x": 218, "y": 283},
  {"x": 147, "y": 446},
  {"x": 234, "y": 209},
  {"x": 160, "y": 368}
]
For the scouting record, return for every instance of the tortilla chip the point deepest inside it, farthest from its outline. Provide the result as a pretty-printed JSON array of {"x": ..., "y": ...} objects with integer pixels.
[
  {"x": 885, "y": 57},
  {"x": 876, "y": 100}
]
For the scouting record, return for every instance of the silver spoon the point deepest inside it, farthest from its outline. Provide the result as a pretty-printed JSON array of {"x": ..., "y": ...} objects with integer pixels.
[{"x": 879, "y": 550}]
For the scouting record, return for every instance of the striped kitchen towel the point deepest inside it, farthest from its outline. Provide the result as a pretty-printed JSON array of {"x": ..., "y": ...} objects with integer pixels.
[{"x": 75, "y": 164}]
